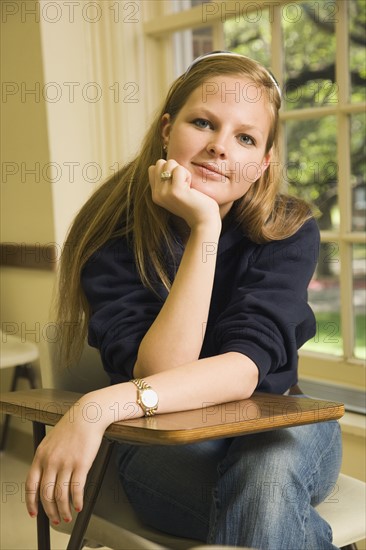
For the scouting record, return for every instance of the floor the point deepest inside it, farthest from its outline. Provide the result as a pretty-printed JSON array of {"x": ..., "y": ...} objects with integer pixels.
[{"x": 18, "y": 530}]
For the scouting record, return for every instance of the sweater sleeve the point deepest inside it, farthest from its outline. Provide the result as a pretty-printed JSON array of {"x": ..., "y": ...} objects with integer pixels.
[
  {"x": 268, "y": 317},
  {"x": 122, "y": 307}
]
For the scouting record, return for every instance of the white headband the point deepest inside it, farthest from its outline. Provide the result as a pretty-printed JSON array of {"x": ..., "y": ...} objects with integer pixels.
[{"x": 220, "y": 53}]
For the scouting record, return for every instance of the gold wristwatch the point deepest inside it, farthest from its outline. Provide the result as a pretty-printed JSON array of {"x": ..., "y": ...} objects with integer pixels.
[{"x": 147, "y": 398}]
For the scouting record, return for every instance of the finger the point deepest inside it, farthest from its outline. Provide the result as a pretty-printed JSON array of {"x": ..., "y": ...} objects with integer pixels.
[
  {"x": 151, "y": 172},
  {"x": 159, "y": 188},
  {"x": 157, "y": 167},
  {"x": 181, "y": 175},
  {"x": 154, "y": 172},
  {"x": 48, "y": 491},
  {"x": 62, "y": 495},
  {"x": 32, "y": 490},
  {"x": 168, "y": 166},
  {"x": 77, "y": 489}
]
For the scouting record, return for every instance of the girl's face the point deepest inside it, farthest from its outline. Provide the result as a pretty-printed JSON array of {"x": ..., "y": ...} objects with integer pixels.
[{"x": 220, "y": 136}]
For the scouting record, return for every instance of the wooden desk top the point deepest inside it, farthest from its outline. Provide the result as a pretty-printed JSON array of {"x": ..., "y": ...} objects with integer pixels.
[{"x": 262, "y": 412}]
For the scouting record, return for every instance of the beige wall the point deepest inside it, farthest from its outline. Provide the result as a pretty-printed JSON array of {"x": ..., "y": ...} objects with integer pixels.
[
  {"x": 26, "y": 190},
  {"x": 72, "y": 143},
  {"x": 26, "y": 198},
  {"x": 86, "y": 118}
]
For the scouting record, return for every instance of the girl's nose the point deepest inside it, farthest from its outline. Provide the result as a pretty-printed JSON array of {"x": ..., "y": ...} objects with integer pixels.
[{"x": 217, "y": 149}]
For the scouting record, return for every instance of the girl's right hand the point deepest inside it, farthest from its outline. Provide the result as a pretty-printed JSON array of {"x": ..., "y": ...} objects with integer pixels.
[
  {"x": 178, "y": 197},
  {"x": 61, "y": 464}
]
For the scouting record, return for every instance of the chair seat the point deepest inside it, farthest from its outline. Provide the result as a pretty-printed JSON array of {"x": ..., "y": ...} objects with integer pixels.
[
  {"x": 14, "y": 352},
  {"x": 344, "y": 510}
]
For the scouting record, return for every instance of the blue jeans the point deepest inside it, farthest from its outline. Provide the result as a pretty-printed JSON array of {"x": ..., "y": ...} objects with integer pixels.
[{"x": 255, "y": 490}]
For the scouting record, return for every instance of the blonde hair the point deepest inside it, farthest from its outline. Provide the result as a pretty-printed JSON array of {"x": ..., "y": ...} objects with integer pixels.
[{"x": 123, "y": 207}]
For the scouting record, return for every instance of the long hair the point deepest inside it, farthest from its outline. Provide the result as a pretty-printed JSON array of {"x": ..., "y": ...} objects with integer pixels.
[{"x": 123, "y": 206}]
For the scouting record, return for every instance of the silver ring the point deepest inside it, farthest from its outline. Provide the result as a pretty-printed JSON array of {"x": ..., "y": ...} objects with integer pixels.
[{"x": 166, "y": 175}]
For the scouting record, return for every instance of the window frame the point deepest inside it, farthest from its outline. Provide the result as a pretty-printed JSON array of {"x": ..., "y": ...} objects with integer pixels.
[{"x": 158, "y": 28}]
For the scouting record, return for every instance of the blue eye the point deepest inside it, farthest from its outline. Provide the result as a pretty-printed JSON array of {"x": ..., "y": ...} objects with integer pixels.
[
  {"x": 202, "y": 123},
  {"x": 247, "y": 140}
]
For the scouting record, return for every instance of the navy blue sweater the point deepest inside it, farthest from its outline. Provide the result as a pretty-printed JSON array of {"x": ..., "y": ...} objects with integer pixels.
[{"x": 258, "y": 306}]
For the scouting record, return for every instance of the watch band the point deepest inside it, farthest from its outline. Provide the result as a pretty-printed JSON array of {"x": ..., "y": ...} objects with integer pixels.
[{"x": 143, "y": 386}]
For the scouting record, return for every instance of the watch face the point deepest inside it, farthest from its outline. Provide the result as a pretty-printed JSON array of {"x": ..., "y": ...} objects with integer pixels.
[{"x": 149, "y": 398}]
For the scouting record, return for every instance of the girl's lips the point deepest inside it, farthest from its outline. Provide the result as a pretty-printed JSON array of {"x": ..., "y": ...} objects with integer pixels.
[{"x": 208, "y": 172}]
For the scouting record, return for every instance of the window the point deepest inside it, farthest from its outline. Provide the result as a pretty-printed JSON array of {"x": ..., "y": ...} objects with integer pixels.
[{"x": 317, "y": 52}]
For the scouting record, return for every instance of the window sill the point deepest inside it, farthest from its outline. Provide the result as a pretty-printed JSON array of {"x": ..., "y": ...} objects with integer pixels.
[{"x": 353, "y": 424}]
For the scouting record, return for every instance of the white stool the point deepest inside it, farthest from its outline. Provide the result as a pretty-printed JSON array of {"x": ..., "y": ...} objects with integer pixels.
[{"x": 21, "y": 355}]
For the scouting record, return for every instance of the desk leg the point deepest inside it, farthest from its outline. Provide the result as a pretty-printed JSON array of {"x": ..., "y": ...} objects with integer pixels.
[
  {"x": 43, "y": 525},
  {"x": 92, "y": 488}
]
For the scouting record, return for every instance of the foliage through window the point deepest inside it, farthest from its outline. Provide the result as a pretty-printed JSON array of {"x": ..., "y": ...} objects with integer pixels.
[{"x": 311, "y": 163}]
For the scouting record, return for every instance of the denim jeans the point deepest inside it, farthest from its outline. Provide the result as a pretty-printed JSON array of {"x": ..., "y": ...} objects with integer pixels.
[{"x": 256, "y": 490}]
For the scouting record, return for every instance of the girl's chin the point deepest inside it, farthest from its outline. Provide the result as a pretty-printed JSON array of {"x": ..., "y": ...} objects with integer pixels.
[
  {"x": 207, "y": 187},
  {"x": 207, "y": 192}
]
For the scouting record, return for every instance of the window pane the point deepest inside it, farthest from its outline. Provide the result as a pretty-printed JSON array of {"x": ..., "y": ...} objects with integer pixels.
[
  {"x": 202, "y": 41},
  {"x": 358, "y": 171},
  {"x": 357, "y": 50},
  {"x": 309, "y": 50},
  {"x": 311, "y": 170},
  {"x": 359, "y": 299},
  {"x": 324, "y": 298},
  {"x": 190, "y": 44},
  {"x": 250, "y": 38}
]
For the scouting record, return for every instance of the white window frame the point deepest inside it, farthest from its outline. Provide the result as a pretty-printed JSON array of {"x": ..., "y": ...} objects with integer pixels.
[{"x": 159, "y": 25}]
